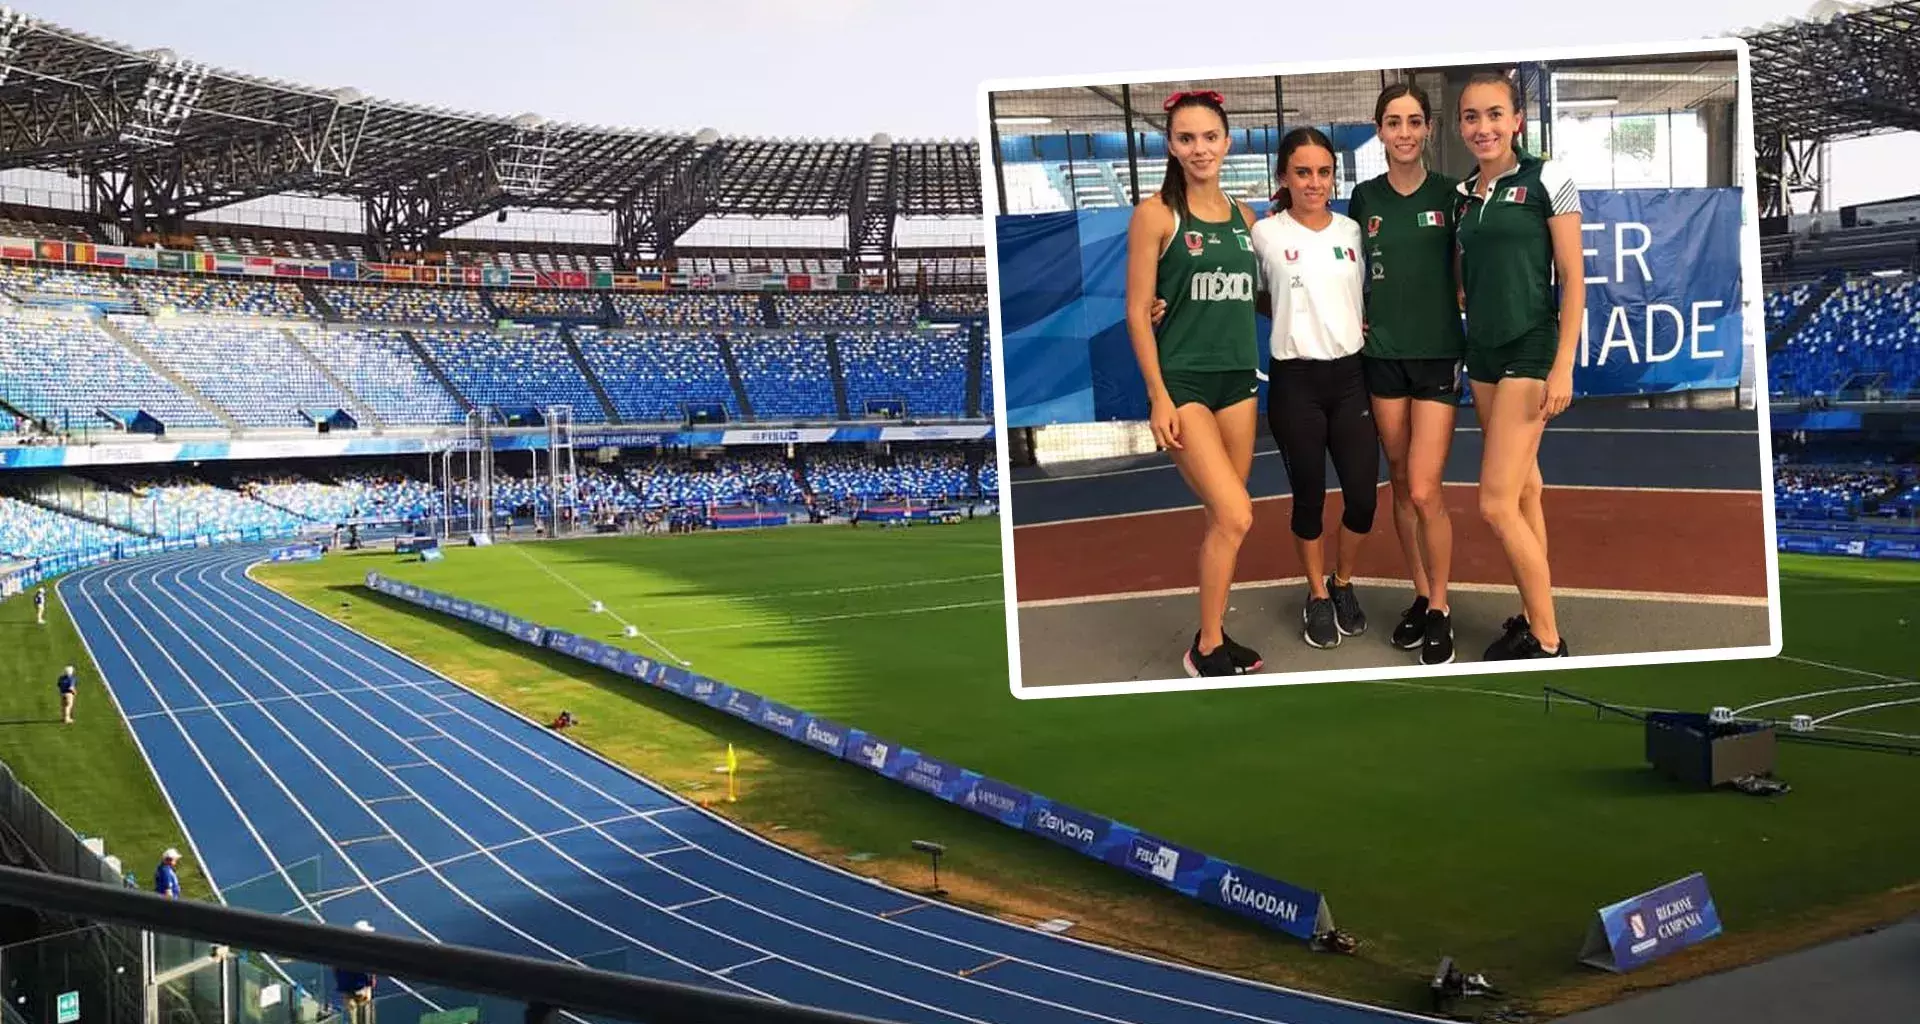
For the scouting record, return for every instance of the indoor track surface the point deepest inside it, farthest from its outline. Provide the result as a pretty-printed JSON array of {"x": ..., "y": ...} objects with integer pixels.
[
  {"x": 1655, "y": 531},
  {"x": 285, "y": 740}
]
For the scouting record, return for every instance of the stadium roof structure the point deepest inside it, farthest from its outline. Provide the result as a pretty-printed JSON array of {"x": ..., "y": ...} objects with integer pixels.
[
  {"x": 157, "y": 139},
  {"x": 1846, "y": 70}
]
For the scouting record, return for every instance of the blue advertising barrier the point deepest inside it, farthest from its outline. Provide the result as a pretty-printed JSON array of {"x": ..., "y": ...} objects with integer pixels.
[
  {"x": 1638, "y": 930},
  {"x": 1301, "y": 913},
  {"x": 295, "y": 553},
  {"x": 1851, "y": 545},
  {"x": 1663, "y": 304}
]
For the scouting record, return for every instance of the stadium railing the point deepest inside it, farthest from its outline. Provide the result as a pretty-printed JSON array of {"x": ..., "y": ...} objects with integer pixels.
[{"x": 453, "y": 978}]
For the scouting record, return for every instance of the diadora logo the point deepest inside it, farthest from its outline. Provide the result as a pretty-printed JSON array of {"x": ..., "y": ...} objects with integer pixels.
[{"x": 1220, "y": 286}]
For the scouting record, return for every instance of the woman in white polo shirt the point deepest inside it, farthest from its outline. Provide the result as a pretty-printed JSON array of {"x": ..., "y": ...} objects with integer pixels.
[{"x": 1312, "y": 265}]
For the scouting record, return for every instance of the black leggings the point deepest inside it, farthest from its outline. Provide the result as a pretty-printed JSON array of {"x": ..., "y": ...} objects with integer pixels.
[{"x": 1315, "y": 408}]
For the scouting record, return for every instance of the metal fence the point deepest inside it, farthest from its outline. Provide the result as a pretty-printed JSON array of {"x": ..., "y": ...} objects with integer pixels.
[{"x": 1665, "y": 122}]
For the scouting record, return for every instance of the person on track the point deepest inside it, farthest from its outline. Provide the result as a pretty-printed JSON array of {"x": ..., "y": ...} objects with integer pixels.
[
  {"x": 1524, "y": 282},
  {"x": 1414, "y": 347},
  {"x": 1191, "y": 245},
  {"x": 1317, "y": 394}
]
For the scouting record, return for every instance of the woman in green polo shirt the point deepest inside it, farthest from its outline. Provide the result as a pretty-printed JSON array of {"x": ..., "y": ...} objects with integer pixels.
[
  {"x": 1414, "y": 345},
  {"x": 1191, "y": 245},
  {"x": 1524, "y": 280}
]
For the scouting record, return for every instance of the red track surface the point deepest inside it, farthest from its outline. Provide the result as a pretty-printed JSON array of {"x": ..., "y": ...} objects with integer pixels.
[{"x": 1648, "y": 540}]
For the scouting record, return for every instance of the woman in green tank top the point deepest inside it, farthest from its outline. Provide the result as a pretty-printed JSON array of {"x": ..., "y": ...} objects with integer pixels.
[{"x": 1191, "y": 246}]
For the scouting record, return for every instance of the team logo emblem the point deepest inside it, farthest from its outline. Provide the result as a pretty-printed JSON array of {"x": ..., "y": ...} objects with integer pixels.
[
  {"x": 1638, "y": 924},
  {"x": 1516, "y": 194},
  {"x": 1373, "y": 225},
  {"x": 1379, "y": 271},
  {"x": 1293, "y": 255},
  {"x": 1196, "y": 243}
]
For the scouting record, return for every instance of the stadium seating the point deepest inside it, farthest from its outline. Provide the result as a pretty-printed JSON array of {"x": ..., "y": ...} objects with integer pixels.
[
  {"x": 927, "y": 371},
  {"x": 651, "y": 376},
  {"x": 253, "y": 372},
  {"x": 1867, "y": 332},
  {"x": 529, "y": 368},
  {"x": 689, "y": 311},
  {"x": 763, "y": 477},
  {"x": 220, "y": 296},
  {"x": 1828, "y": 494},
  {"x": 383, "y": 371},
  {"x": 30, "y": 531},
  {"x": 569, "y": 304},
  {"x": 936, "y": 473},
  {"x": 785, "y": 375},
  {"x": 847, "y": 310},
  {"x": 68, "y": 367},
  {"x": 404, "y": 305}
]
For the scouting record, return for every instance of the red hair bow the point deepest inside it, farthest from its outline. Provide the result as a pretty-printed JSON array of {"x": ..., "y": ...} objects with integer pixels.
[{"x": 1217, "y": 99}]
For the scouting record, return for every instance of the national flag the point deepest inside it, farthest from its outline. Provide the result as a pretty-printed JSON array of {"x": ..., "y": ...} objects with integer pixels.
[
  {"x": 1341, "y": 252},
  {"x": 1516, "y": 194},
  {"x": 1431, "y": 218}
]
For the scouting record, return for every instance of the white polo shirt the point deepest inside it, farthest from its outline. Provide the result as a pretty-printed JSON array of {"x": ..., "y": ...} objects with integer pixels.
[{"x": 1317, "y": 280}]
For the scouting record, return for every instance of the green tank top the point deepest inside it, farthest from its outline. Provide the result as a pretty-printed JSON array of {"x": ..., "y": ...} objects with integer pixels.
[{"x": 1208, "y": 277}]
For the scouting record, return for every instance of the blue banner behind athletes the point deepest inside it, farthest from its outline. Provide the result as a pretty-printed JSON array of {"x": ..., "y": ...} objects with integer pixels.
[
  {"x": 1663, "y": 304},
  {"x": 296, "y": 553},
  {"x": 1644, "y": 928},
  {"x": 1286, "y": 908},
  {"x": 1853, "y": 545}
]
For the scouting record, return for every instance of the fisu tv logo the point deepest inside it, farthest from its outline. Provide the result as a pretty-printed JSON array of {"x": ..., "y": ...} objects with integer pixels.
[{"x": 1220, "y": 286}]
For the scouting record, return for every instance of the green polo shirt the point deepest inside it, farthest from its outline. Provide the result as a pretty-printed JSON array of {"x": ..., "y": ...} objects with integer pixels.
[
  {"x": 1506, "y": 252},
  {"x": 1413, "y": 309}
]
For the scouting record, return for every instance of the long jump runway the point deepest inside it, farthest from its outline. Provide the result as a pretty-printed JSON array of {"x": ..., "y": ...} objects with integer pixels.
[
  {"x": 1655, "y": 534},
  {"x": 285, "y": 741}
]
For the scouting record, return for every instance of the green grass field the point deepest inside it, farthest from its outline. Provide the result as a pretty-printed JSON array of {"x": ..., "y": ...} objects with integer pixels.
[
  {"x": 89, "y": 773},
  {"x": 1454, "y": 816}
]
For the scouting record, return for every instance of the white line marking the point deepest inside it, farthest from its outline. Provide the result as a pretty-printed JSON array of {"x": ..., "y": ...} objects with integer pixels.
[
  {"x": 243, "y": 600},
  {"x": 750, "y": 963},
  {"x": 211, "y": 600},
  {"x": 1867, "y": 707},
  {"x": 1377, "y": 581},
  {"x": 691, "y": 847},
  {"x": 677, "y": 907},
  {"x": 589, "y": 597}
]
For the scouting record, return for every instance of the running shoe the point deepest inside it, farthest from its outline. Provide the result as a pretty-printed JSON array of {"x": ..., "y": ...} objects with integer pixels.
[
  {"x": 1346, "y": 607},
  {"x": 1436, "y": 644},
  {"x": 1220, "y": 662},
  {"x": 1413, "y": 626},
  {"x": 1529, "y": 646},
  {"x": 1319, "y": 616},
  {"x": 1245, "y": 658},
  {"x": 1502, "y": 649}
]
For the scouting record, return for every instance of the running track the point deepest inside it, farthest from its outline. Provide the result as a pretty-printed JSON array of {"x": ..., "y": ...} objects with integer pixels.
[{"x": 280, "y": 736}]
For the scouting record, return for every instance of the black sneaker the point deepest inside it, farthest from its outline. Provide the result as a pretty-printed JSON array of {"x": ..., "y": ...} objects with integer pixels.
[
  {"x": 1436, "y": 646},
  {"x": 1413, "y": 626},
  {"x": 1529, "y": 646},
  {"x": 1502, "y": 649},
  {"x": 1245, "y": 658},
  {"x": 1347, "y": 615},
  {"x": 1218, "y": 663},
  {"x": 1319, "y": 615}
]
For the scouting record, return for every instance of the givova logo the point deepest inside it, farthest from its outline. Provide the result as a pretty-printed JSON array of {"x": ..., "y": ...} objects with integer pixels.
[
  {"x": 1236, "y": 893},
  {"x": 1055, "y": 826},
  {"x": 1220, "y": 286}
]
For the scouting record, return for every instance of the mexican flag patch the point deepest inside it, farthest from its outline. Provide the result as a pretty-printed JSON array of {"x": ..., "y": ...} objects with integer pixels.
[
  {"x": 1341, "y": 252},
  {"x": 1516, "y": 194},
  {"x": 1431, "y": 219}
]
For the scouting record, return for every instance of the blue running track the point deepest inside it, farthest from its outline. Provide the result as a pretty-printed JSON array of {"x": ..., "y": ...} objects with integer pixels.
[{"x": 341, "y": 781}]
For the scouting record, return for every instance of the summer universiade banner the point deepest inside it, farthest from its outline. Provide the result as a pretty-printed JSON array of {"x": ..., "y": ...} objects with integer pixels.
[
  {"x": 119, "y": 257},
  {"x": 1301, "y": 913},
  {"x": 137, "y": 453},
  {"x": 1664, "y": 307}
]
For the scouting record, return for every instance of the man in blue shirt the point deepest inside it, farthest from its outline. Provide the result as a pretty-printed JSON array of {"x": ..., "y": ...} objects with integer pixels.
[
  {"x": 68, "y": 683},
  {"x": 166, "y": 881}
]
